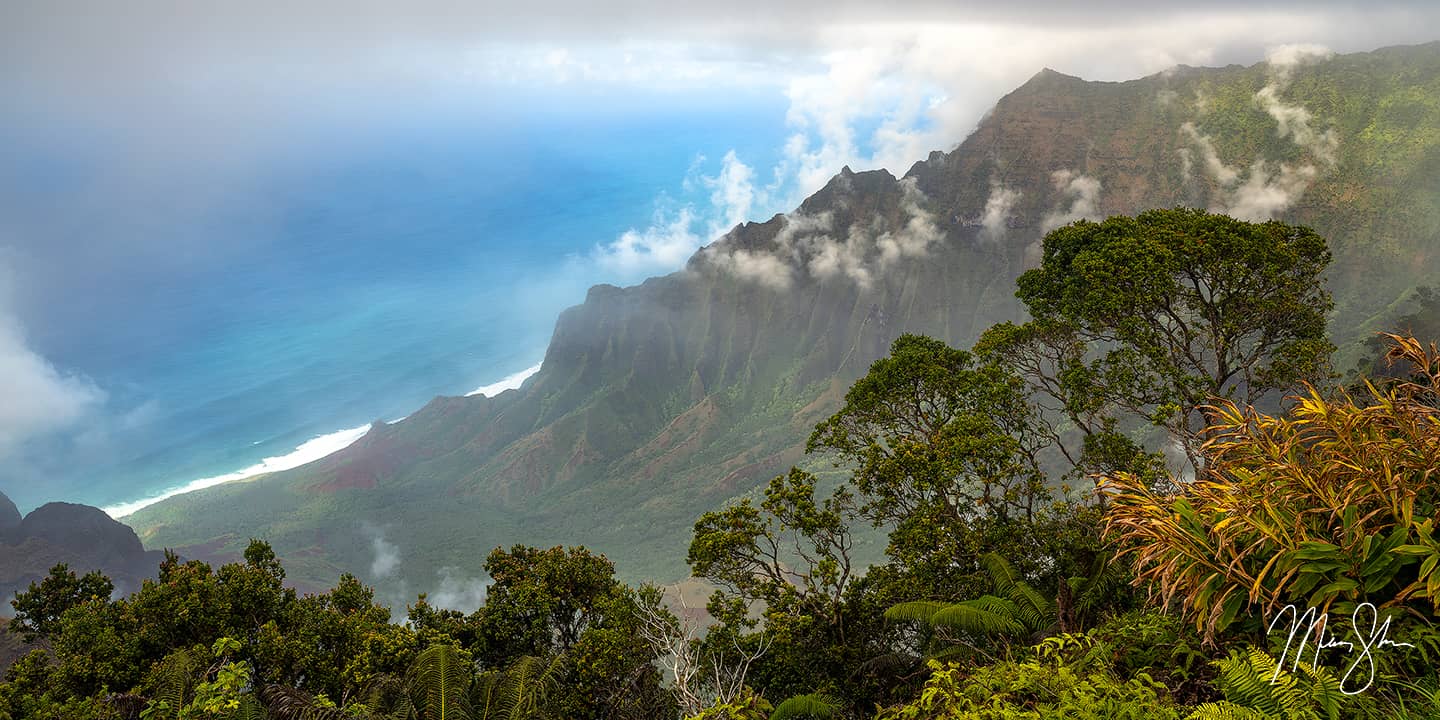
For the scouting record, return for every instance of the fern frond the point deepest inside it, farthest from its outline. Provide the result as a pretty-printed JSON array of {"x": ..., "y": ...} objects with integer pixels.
[
  {"x": 815, "y": 706},
  {"x": 518, "y": 692},
  {"x": 440, "y": 684},
  {"x": 1225, "y": 710},
  {"x": 250, "y": 709},
  {"x": 917, "y": 611},
  {"x": 288, "y": 703},
  {"x": 986, "y": 615}
]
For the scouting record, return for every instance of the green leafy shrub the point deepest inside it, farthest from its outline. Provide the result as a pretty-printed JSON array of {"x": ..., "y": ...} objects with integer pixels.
[
  {"x": 1255, "y": 688},
  {"x": 1035, "y": 690},
  {"x": 748, "y": 706},
  {"x": 1331, "y": 505}
]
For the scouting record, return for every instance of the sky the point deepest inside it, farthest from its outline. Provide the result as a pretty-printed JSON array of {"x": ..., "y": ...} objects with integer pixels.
[{"x": 193, "y": 100}]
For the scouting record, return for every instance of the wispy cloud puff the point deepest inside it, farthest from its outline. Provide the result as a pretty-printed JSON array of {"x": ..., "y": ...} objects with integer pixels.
[
  {"x": 1293, "y": 121},
  {"x": 1268, "y": 188},
  {"x": 997, "y": 211},
  {"x": 386, "y": 555},
  {"x": 1079, "y": 197},
  {"x": 661, "y": 247},
  {"x": 811, "y": 245},
  {"x": 675, "y": 234},
  {"x": 458, "y": 591}
]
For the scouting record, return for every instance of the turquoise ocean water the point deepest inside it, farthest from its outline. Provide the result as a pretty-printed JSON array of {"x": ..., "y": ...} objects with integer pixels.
[{"x": 354, "y": 276}]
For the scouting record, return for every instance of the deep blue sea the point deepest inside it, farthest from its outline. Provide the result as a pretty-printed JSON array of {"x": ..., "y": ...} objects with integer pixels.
[{"x": 360, "y": 270}]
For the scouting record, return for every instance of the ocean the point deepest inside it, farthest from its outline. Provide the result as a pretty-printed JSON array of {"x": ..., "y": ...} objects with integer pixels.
[{"x": 371, "y": 269}]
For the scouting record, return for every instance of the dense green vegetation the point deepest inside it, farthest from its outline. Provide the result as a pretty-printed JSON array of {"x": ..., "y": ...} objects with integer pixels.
[
  {"x": 668, "y": 399},
  {"x": 1043, "y": 559}
]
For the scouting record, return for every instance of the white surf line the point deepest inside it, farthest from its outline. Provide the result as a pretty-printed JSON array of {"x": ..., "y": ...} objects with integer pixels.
[
  {"x": 510, "y": 382},
  {"x": 308, "y": 452}
]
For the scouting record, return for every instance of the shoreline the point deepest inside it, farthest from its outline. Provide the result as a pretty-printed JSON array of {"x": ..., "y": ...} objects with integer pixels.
[{"x": 315, "y": 448}]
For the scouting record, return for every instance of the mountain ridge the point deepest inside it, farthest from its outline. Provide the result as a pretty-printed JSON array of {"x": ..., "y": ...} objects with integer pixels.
[{"x": 660, "y": 400}]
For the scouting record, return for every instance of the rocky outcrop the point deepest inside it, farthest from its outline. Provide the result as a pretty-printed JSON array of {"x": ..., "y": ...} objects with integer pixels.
[{"x": 82, "y": 537}]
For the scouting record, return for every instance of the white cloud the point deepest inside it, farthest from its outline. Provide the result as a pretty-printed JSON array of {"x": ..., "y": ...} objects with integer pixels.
[
  {"x": 1217, "y": 169},
  {"x": 762, "y": 267},
  {"x": 1269, "y": 191},
  {"x": 1293, "y": 121},
  {"x": 662, "y": 247},
  {"x": 732, "y": 193},
  {"x": 38, "y": 398},
  {"x": 457, "y": 591},
  {"x": 807, "y": 244},
  {"x": 917, "y": 233},
  {"x": 1284, "y": 59},
  {"x": 997, "y": 211},
  {"x": 1266, "y": 188},
  {"x": 387, "y": 556},
  {"x": 1079, "y": 197}
]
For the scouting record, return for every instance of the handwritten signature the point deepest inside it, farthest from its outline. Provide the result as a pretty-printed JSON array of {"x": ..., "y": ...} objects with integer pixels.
[{"x": 1317, "y": 624}]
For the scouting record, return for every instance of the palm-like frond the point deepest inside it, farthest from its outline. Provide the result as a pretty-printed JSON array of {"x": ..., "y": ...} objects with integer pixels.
[
  {"x": 986, "y": 615},
  {"x": 917, "y": 611},
  {"x": 1225, "y": 710},
  {"x": 1093, "y": 592},
  {"x": 175, "y": 678},
  {"x": 814, "y": 706},
  {"x": 1033, "y": 609},
  {"x": 125, "y": 706},
  {"x": 249, "y": 709},
  {"x": 1255, "y": 688},
  {"x": 440, "y": 684},
  {"x": 288, "y": 703},
  {"x": 518, "y": 692},
  {"x": 388, "y": 697}
]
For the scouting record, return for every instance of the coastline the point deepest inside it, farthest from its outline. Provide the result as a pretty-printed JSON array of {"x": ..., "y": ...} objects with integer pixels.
[{"x": 307, "y": 452}]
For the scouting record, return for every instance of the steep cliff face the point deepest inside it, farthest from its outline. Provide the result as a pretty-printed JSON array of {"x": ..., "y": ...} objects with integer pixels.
[
  {"x": 9, "y": 515},
  {"x": 83, "y": 537},
  {"x": 659, "y": 401}
]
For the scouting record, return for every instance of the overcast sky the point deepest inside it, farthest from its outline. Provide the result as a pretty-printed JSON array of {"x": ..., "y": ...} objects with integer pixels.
[
  {"x": 194, "y": 96},
  {"x": 219, "y": 78}
]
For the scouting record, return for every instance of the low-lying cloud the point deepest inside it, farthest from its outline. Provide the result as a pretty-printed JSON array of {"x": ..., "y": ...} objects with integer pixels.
[
  {"x": 451, "y": 588},
  {"x": 1294, "y": 121},
  {"x": 1079, "y": 196},
  {"x": 386, "y": 554},
  {"x": 1267, "y": 188},
  {"x": 457, "y": 591},
  {"x": 810, "y": 244},
  {"x": 998, "y": 207}
]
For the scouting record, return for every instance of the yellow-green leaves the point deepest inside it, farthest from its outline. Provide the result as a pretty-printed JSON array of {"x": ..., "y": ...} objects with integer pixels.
[{"x": 1329, "y": 505}]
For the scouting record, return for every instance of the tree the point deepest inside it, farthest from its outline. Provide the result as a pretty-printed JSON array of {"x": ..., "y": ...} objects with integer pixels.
[
  {"x": 564, "y": 605},
  {"x": 1152, "y": 316},
  {"x": 948, "y": 452},
  {"x": 935, "y": 432},
  {"x": 1015, "y": 609},
  {"x": 791, "y": 551},
  {"x": 541, "y": 601},
  {"x": 1012, "y": 609},
  {"x": 702, "y": 674},
  {"x": 38, "y": 609}
]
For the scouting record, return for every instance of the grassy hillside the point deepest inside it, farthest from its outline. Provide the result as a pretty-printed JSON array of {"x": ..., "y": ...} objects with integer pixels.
[{"x": 660, "y": 401}]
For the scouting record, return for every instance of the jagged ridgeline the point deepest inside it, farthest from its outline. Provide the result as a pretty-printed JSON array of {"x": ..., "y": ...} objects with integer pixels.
[{"x": 663, "y": 400}]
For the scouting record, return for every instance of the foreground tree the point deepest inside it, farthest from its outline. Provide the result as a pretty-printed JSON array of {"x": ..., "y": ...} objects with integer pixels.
[
  {"x": 1152, "y": 316},
  {"x": 38, "y": 609}
]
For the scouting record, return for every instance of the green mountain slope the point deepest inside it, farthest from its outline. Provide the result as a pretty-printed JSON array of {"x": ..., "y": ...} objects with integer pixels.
[{"x": 659, "y": 401}]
